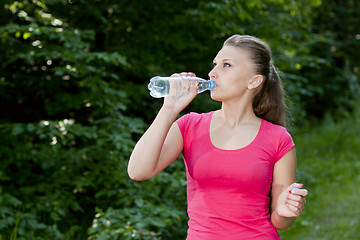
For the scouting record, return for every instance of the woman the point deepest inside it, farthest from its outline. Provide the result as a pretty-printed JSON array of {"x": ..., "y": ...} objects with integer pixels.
[{"x": 240, "y": 160}]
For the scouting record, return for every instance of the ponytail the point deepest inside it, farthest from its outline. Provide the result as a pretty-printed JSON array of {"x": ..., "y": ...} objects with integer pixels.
[{"x": 269, "y": 103}]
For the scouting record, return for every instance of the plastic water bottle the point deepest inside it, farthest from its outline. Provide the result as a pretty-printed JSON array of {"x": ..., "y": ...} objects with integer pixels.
[{"x": 160, "y": 86}]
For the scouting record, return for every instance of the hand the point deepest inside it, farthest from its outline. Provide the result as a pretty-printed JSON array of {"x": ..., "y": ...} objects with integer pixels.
[
  {"x": 291, "y": 203},
  {"x": 181, "y": 93}
]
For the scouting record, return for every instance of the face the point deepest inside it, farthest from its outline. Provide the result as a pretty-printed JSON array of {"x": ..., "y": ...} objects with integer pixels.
[{"x": 232, "y": 72}]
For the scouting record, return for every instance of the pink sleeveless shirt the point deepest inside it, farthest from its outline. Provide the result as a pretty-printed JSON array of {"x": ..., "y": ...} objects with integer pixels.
[{"x": 228, "y": 191}]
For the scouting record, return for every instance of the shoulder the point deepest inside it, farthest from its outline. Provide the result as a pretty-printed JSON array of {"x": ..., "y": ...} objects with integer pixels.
[
  {"x": 192, "y": 121},
  {"x": 194, "y": 117},
  {"x": 274, "y": 129},
  {"x": 276, "y": 134},
  {"x": 279, "y": 137}
]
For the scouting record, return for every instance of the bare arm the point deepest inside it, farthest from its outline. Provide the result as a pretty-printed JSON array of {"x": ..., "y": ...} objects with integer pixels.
[
  {"x": 162, "y": 143},
  {"x": 286, "y": 206}
]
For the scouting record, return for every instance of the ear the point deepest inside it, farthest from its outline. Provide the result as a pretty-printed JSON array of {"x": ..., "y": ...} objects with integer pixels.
[{"x": 256, "y": 81}]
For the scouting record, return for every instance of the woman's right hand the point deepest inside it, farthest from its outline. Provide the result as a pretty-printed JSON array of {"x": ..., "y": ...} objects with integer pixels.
[{"x": 181, "y": 93}]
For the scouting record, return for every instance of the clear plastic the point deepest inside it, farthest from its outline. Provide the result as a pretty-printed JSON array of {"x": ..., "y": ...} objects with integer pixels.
[{"x": 160, "y": 86}]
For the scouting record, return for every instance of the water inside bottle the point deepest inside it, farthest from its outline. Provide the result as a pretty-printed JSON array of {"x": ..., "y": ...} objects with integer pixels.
[{"x": 160, "y": 86}]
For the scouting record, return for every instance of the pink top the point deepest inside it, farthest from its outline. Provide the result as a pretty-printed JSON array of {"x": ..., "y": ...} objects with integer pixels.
[{"x": 228, "y": 190}]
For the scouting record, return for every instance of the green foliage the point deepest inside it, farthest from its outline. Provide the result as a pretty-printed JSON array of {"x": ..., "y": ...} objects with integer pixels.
[
  {"x": 329, "y": 167},
  {"x": 62, "y": 164},
  {"x": 63, "y": 143},
  {"x": 154, "y": 209},
  {"x": 74, "y": 101}
]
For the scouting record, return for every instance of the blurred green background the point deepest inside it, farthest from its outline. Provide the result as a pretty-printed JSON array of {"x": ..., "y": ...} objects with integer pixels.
[{"x": 74, "y": 100}]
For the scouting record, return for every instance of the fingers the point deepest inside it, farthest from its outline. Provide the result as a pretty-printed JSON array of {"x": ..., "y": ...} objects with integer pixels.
[
  {"x": 183, "y": 88},
  {"x": 295, "y": 210},
  {"x": 295, "y": 189},
  {"x": 298, "y": 204},
  {"x": 184, "y": 74},
  {"x": 188, "y": 74},
  {"x": 296, "y": 198},
  {"x": 296, "y": 201}
]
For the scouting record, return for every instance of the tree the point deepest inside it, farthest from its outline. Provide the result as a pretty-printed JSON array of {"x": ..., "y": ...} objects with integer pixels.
[{"x": 73, "y": 91}]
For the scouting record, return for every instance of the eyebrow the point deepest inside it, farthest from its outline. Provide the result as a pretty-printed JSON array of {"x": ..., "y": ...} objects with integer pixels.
[{"x": 224, "y": 60}]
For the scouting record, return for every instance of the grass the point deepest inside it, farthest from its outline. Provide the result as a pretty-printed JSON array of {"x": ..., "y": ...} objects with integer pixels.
[{"x": 329, "y": 166}]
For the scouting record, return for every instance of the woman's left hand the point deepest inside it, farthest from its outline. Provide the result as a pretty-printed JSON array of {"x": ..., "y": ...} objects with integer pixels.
[{"x": 291, "y": 202}]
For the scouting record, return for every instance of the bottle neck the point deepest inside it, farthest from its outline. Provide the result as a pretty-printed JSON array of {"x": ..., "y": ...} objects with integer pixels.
[{"x": 212, "y": 84}]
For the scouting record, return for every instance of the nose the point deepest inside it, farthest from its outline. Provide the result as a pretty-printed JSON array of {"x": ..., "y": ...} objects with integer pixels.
[{"x": 212, "y": 74}]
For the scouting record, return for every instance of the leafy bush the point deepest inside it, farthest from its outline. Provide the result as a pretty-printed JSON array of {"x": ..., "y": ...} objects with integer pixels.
[{"x": 153, "y": 209}]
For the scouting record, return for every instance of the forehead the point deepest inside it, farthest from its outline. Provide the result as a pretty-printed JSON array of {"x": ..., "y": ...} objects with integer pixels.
[{"x": 232, "y": 53}]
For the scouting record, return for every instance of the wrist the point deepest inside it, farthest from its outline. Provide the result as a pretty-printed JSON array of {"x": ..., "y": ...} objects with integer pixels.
[
  {"x": 171, "y": 109},
  {"x": 169, "y": 112},
  {"x": 281, "y": 222}
]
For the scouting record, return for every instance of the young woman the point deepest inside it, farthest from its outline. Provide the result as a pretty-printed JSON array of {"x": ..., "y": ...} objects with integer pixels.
[{"x": 240, "y": 160}]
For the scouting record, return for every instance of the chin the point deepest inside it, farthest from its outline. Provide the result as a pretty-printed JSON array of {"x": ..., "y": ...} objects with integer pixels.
[{"x": 215, "y": 96}]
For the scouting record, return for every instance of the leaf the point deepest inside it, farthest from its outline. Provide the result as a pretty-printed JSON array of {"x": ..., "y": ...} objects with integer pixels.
[
  {"x": 30, "y": 127},
  {"x": 17, "y": 129},
  {"x": 26, "y": 35}
]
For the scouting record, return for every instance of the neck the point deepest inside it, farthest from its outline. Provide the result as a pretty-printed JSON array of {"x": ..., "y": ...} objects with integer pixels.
[{"x": 237, "y": 113}]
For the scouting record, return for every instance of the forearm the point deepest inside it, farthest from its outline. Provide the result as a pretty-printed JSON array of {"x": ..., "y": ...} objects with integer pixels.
[
  {"x": 280, "y": 222},
  {"x": 145, "y": 156}
]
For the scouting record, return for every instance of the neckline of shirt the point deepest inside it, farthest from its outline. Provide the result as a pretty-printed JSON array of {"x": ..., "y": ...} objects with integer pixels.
[{"x": 230, "y": 150}]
